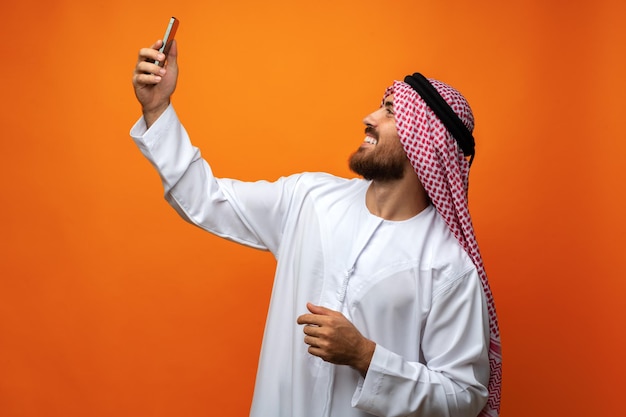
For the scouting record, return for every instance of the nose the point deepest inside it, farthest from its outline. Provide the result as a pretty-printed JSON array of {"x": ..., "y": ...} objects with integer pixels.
[{"x": 370, "y": 119}]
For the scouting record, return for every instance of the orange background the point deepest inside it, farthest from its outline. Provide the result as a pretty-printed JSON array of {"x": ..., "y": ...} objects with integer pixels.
[{"x": 111, "y": 305}]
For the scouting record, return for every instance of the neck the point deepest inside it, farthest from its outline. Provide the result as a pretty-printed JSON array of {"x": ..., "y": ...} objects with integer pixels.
[{"x": 397, "y": 199}]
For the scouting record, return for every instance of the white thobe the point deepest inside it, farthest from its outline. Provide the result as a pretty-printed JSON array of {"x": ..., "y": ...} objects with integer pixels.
[{"x": 406, "y": 285}]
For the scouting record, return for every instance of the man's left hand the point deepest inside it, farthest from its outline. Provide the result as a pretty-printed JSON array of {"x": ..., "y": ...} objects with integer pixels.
[{"x": 334, "y": 338}]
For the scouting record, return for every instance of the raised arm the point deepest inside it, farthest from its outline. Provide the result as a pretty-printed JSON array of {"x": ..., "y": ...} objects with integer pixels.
[{"x": 248, "y": 213}]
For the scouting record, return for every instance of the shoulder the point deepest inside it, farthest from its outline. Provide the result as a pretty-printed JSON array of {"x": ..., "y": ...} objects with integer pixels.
[
  {"x": 447, "y": 258},
  {"x": 324, "y": 178},
  {"x": 323, "y": 183}
]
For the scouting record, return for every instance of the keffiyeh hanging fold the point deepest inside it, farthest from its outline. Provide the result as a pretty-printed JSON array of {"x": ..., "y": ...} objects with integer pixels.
[{"x": 444, "y": 172}]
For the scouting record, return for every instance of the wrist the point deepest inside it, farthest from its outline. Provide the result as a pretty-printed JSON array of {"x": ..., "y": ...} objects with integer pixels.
[
  {"x": 152, "y": 114},
  {"x": 365, "y": 358}
]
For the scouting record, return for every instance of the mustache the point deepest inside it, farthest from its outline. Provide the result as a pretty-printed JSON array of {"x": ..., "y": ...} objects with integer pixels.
[{"x": 369, "y": 130}]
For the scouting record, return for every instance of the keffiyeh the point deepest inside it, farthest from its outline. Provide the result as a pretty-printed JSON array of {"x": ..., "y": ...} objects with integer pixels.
[{"x": 444, "y": 172}]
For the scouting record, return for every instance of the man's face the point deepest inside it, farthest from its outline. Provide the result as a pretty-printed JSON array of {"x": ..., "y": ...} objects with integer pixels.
[{"x": 381, "y": 156}]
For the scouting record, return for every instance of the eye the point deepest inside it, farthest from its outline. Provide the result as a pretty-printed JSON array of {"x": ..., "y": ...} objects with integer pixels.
[{"x": 390, "y": 112}]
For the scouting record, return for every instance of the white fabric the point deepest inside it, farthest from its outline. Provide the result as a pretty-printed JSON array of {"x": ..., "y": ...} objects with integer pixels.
[{"x": 408, "y": 286}]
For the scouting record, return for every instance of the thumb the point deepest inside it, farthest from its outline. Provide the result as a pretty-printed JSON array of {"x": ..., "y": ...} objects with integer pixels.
[
  {"x": 315, "y": 309},
  {"x": 172, "y": 55}
]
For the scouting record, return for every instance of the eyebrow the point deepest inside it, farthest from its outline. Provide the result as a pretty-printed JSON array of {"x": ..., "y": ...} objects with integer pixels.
[{"x": 388, "y": 103}]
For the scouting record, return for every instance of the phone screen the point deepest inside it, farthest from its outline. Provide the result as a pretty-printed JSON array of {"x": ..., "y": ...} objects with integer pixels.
[{"x": 170, "y": 32}]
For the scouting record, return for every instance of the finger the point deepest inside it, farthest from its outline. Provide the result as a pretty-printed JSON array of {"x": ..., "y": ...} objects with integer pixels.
[
  {"x": 173, "y": 53},
  {"x": 311, "y": 330},
  {"x": 172, "y": 56},
  {"x": 311, "y": 341},
  {"x": 145, "y": 67},
  {"x": 309, "y": 319},
  {"x": 320, "y": 353},
  {"x": 151, "y": 54},
  {"x": 141, "y": 79},
  {"x": 315, "y": 309}
]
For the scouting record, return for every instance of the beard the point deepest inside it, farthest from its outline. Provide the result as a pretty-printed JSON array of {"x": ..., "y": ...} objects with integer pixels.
[{"x": 379, "y": 164}]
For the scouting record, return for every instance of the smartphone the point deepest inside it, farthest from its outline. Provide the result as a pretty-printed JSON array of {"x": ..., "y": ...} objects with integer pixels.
[{"x": 170, "y": 32}]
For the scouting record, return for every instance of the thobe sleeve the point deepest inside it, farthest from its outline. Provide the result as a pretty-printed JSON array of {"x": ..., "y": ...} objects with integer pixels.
[
  {"x": 454, "y": 374},
  {"x": 250, "y": 213}
]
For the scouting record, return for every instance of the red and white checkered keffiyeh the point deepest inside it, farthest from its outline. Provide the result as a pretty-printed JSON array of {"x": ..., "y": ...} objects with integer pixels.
[{"x": 444, "y": 172}]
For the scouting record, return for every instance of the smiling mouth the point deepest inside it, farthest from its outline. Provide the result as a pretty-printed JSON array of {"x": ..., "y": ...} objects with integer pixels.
[{"x": 371, "y": 136}]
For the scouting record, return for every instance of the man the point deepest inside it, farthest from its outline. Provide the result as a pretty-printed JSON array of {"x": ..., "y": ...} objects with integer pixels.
[{"x": 380, "y": 303}]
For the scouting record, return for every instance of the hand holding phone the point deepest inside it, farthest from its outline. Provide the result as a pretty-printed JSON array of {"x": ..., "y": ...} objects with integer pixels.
[
  {"x": 170, "y": 32},
  {"x": 153, "y": 86}
]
